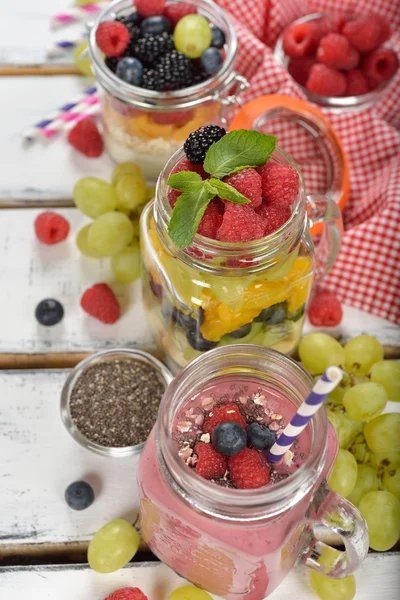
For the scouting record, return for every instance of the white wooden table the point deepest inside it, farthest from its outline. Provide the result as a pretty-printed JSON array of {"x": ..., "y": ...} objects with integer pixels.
[{"x": 38, "y": 459}]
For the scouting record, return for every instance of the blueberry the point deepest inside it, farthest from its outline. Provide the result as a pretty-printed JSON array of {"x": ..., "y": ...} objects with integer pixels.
[
  {"x": 218, "y": 37},
  {"x": 49, "y": 312},
  {"x": 273, "y": 314},
  {"x": 211, "y": 60},
  {"x": 197, "y": 341},
  {"x": 241, "y": 332},
  {"x": 155, "y": 26},
  {"x": 156, "y": 288},
  {"x": 229, "y": 438},
  {"x": 260, "y": 437},
  {"x": 133, "y": 19},
  {"x": 130, "y": 70},
  {"x": 79, "y": 495},
  {"x": 298, "y": 314}
]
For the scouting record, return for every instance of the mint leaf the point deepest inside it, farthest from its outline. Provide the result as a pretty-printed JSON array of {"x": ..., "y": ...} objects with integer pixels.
[
  {"x": 226, "y": 191},
  {"x": 239, "y": 150},
  {"x": 187, "y": 214},
  {"x": 185, "y": 180}
]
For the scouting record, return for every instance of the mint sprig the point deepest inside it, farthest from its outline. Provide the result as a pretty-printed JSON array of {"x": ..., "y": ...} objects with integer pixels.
[{"x": 187, "y": 214}]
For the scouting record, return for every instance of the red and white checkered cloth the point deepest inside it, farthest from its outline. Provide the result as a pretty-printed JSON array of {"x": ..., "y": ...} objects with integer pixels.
[{"x": 366, "y": 274}]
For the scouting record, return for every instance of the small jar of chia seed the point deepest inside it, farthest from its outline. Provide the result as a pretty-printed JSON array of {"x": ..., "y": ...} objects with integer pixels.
[{"x": 147, "y": 126}]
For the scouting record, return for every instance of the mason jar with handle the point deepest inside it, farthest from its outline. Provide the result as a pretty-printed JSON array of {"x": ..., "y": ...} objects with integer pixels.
[
  {"x": 146, "y": 126},
  {"x": 241, "y": 543}
]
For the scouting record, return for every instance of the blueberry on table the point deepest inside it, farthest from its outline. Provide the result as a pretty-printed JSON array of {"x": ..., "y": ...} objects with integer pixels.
[
  {"x": 260, "y": 437},
  {"x": 130, "y": 70},
  {"x": 229, "y": 438},
  {"x": 49, "y": 312},
  {"x": 241, "y": 332},
  {"x": 211, "y": 60},
  {"x": 79, "y": 495},
  {"x": 273, "y": 314},
  {"x": 155, "y": 25},
  {"x": 218, "y": 37}
]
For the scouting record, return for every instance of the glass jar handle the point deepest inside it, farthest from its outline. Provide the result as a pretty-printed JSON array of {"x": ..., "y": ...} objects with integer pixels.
[
  {"x": 227, "y": 102},
  {"x": 340, "y": 516},
  {"x": 326, "y": 227}
]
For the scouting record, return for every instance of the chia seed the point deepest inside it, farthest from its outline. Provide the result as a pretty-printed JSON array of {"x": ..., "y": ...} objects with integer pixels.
[{"x": 115, "y": 403}]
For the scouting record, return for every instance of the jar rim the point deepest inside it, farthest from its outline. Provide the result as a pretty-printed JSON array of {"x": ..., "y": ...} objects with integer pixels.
[
  {"x": 207, "y": 497},
  {"x": 164, "y": 101}
]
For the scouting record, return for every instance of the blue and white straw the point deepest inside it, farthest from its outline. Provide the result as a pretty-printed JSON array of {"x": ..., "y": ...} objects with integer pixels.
[{"x": 307, "y": 409}]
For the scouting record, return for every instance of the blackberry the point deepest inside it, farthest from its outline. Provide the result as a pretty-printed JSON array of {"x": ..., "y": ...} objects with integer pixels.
[
  {"x": 148, "y": 48},
  {"x": 129, "y": 20},
  {"x": 200, "y": 141},
  {"x": 175, "y": 71},
  {"x": 150, "y": 80},
  {"x": 111, "y": 62},
  {"x": 135, "y": 35}
]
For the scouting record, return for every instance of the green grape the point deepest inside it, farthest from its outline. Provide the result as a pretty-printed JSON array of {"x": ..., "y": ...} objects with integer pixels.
[
  {"x": 334, "y": 419},
  {"x": 361, "y": 353},
  {"x": 343, "y": 476},
  {"x": 336, "y": 396},
  {"x": 188, "y": 592},
  {"x": 381, "y": 510},
  {"x": 136, "y": 227},
  {"x": 333, "y": 589},
  {"x": 391, "y": 482},
  {"x": 94, "y": 197},
  {"x": 367, "y": 481},
  {"x": 365, "y": 401},
  {"x": 382, "y": 434},
  {"x": 82, "y": 59},
  {"x": 385, "y": 461},
  {"x": 387, "y": 373},
  {"x": 318, "y": 351},
  {"x": 126, "y": 264},
  {"x": 113, "y": 546},
  {"x": 192, "y": 35},
  {"x": 150, "y": 192},
  {"x": 83, "y": 2},
  {"x": 131, "y": 192},
  {"x": 359, "y": 450},
  {"x": 83, "y": 244},
  {"x": 110, "y": 233},
  {"x": 348, "y": 430},
  {"x": 127, "y": 168},
  {"x": 139, "y": 209}
]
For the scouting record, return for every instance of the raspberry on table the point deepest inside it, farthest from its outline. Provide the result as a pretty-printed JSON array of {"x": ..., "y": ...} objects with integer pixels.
[
  {"x": 51, "y": 228},
  {"x": 210, "y": 464},
  {"x": 222, "y": 414},
  {"x": 363, "y": 33},
  {"x": 299, "y": 68},
  {"x": 333, "y": 23},
  {"x": 240, "y": 224},
  {"x": 357, "y": 83},
  {"x": 325, "y": 309},
  {"x": 248, "y": 470},
  {"x": 150, "y": 8},
  {"x": 100, "y": 302},
  {"x": 385, "y": 29},
  {"x": 175, "y": 12},
  {"x": 280, "y": 183},
  {"x": 211, "y": 222},
  {"x": 112, "y": 37},
  {"x": 380, "y": 65},
  {"x": 299, "y": 39},
  {"x": 273, "y": 215},
  {"x": 199, "y": 141},
  {"x": 127, "y": 593},
  {"x": 334, "y": 50},
  {"x": 86, "y": 138},
  {"x": 325, "y": 81},
  {"x": 248, "y": 183}
]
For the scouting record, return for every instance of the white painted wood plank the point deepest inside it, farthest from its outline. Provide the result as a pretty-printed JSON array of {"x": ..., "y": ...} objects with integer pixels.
[
  {"x": 31, "y": 271},
  {"x": 39, "y": 459},
  {"x": 376, "y": 579}
]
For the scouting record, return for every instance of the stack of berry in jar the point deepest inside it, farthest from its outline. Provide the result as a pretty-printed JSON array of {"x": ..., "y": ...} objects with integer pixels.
[
  {"x": 156, "y": 47},
  {"x": 338, "y": 55},
  {"x": 197, "y": 301}
]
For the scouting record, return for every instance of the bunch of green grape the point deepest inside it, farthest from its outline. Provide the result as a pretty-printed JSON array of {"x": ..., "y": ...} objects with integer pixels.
[{"x": 115, "y": 208}]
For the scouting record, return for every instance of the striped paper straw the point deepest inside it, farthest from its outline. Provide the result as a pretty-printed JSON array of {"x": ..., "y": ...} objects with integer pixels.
[
  {"x": 88, "y": 106},
  {"x": 306, "y": 410},
  {"x": 63, "y": 47},
  {"x": 74, "y": 14}
]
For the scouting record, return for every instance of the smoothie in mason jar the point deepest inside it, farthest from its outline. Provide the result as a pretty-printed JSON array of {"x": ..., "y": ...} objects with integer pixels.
[{"x": 212, "y": 507}]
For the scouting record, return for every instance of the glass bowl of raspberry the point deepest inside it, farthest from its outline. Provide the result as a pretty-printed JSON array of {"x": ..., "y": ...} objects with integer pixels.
[
  {"x": 163, "y": 69},
  {"x": 339, "y": 61},
  {"x": 226, "y": 248}
]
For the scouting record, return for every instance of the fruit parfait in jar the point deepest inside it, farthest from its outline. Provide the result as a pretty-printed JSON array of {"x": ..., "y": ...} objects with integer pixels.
[
  {"x": 163, "y": 68},
  {"x": 225, "y": 246},
  {"x": 213, "y": 507}
]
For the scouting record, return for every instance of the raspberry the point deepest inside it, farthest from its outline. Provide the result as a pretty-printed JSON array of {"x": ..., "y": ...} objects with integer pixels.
[
  {"x": 173, "y": 196},
  {"x": 385, "y": 29},
  {"x": 363, "y": 33},
  {"x": 380, "y": 65},
  {"x": 325, "y": 309},
  {"x": 334, "y": 50},
  {"x": 357, "y": 83},
  {"x": 222, "y": 414},
  {"x": 184, "y": 165},
  {"x": 211, "y": 222},
  {"x": 175, "y": 12},
  {"x": 150, "y": 8},
  {"x": 280, "y": 183},
  {"x": 198, "y": 142},
  {"x": 248, "y": 183},
  {"x": 51, "y": 228},
  {"x": 273, "y": 215},
  {"x": 173, "y": 118},
  {"x": 112, "y": 38},
  {"x": 299, "y": 39},
  {"x": 99, "y": 302},
  {"x": 240, "y": 224},
  {"x": 86, "y": 138},
  {"x": 326, "y": 81},
  {"x": 210, "y": 464},
  {"x": 331, "y": 24},
  {"x": 127, "y": 594},
  {"x": 248, "y": 470},
  {"x": 299, "y": 68}
]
